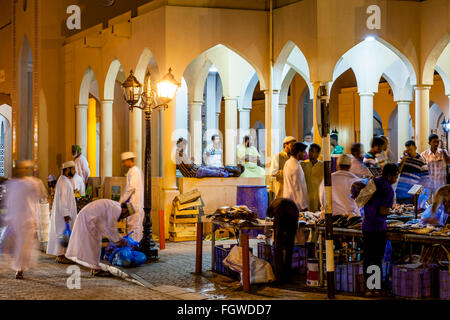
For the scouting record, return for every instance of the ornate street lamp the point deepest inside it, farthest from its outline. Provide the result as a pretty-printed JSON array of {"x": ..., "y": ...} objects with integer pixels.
[{"x": 150, "y": 100}]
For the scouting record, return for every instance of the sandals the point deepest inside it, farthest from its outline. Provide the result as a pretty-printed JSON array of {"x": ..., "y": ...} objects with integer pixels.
[
  {"x": 19, "y": 275},
  {"x": 100, "y": 273}
]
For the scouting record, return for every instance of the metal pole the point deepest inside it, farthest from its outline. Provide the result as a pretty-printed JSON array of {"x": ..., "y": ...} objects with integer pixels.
[
  {"x": 199, "y": 248},
  {"x": 325, "y": 118},
  {"x": 147, "y": 244}
]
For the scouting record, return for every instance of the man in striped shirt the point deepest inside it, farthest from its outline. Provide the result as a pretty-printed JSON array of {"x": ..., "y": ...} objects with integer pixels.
[
  {"x": 412, "y": 168},
  {"x": 437, "y": 160}
]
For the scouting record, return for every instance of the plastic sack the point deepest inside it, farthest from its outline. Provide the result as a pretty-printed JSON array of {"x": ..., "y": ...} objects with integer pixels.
[
  {"x": 362, "y": 191},
  {"x": 388, "y": 252},
  {"x": 139, "y": 258},
  {"x": 122, "y": 257},
  {"x": 423, "y": 198},
  {"x": 133, "y": 244},
  {"x": 260, "y": 270},
  {"x": 110, "y": 248},
  {"x": 65, "y": 236},
  {"x": 440, "y": 214}
]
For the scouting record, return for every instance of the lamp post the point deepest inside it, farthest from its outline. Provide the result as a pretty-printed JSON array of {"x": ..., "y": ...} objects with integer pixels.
[{"x": 132, "y": 91}]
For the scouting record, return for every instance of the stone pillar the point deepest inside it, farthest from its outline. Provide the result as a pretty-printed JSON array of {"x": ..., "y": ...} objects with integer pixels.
[
  {"x": 81, "y": 114},
  {"x": 196, "y": 131},
  {"x": 366, "y": 119},
  {"x": 422, "y": 111},
  {"x": 276, "y": 124},
  {"x": 316, "y": 106},
  {"x": 230, "y": 131},
  {"x": 211, "y": 103},
  {"x": 282, "y": 113},
  {"x": 402, "y": 125},
  {"x": 244, "y": 123},
  {"x": 135, "y": 136},
  {"x": 92, "y": 137},
  {"x": 268, "y": 125},
  {"x": 106, "y": 138}
]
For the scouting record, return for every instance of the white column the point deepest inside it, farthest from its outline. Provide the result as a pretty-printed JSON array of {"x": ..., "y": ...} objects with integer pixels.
[
  {"x": 244, "y": 123},
  {"x": 211, "y": 103},
  {"x": 422, "y": 123},
  {"x": 196, "y": 130},
  {"x": 402, "y": 125},
  {"x": 268, "y": 125},
  {"x": 135, "y": 138},
  {"x": 81, "y": 114},
  {"x": 282, "y": 113},
  {"x": 276, "y": 124},
  {"x": 366, "y": 119},
  {"x": 107, "y": 136},
  {"x": 230, "y": 131}
]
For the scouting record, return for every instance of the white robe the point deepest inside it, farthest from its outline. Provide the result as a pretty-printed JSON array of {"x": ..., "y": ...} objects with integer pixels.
[
  {"x": 134, "y": 190},
  {"x": 22, "y": 221},
  {"x": 341, "y": 189},
  {"x": 95, "y": 220},
  {"x": 294, "y": 183},
  {"x": 63, "y": 205},
  {"x": 82, "y": 168},
  {"x": 78, "y": 184}
]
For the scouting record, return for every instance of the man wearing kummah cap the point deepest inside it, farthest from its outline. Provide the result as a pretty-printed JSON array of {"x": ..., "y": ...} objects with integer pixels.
[
  {"x": 96, "y": 220},
  {"x": 277, "y": 165},
  {"x": 64, "y": 210},
  {"x": 341, "y": 189},
  {"x": 134, "y": 193},
  {"x": 81, "y": 164}
]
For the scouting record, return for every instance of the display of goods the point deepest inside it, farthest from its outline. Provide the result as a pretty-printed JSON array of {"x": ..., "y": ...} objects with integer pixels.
[
  {"x": 444, "y": 284},
  {"x": 236, "y": 214},
  {"x": 220, "y": 253},
  {"x": 413, "y": 281}
]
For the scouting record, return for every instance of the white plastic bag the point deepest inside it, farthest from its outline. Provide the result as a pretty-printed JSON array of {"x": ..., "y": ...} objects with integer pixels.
[{"x": 260, "y": 270}]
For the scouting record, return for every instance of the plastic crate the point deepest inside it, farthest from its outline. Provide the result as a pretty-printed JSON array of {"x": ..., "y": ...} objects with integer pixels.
[
  {"x": 411, "y": 282},
  {"x": 220, "y": 253},
  {"x": 444, "y": 284}
]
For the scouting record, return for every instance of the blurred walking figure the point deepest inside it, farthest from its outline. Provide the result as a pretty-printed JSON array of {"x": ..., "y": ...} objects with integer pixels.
[
  {"x": 64, "y": 210},
  {"x": 22, "y": 219}
]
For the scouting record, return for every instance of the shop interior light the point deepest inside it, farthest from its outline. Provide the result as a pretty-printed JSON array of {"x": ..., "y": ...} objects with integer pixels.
[
  {"x": 213, "y": 69},
  {"x": 369, "y": 38}
]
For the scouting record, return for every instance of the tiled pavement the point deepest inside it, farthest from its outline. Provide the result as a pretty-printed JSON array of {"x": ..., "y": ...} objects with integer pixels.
[{"x": 171, "y": 278}]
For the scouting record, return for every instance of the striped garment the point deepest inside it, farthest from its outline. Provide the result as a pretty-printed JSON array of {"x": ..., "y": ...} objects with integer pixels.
[
  {"x": 414, "y": 170},
  {"x": 437, "y": 167},
  {"x": 370, "y": 161},
  {"x": 187, "y": 170}
]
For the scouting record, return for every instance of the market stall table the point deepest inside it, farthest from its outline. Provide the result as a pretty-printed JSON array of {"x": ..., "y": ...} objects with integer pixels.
[
  {"x": 243, "y": 241},
  {"x": 391, "y": 235}
]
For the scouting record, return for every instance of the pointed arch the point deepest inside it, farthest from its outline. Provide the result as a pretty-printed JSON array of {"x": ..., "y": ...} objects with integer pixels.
[{"x": 432, "y": 59}]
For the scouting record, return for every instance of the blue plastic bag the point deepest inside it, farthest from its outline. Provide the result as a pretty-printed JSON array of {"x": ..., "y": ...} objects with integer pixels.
[
  {"x": 423, "y": 198},
  {"x": 388, "y": 252},
  {"x": 131, "y": 242},
  {"x": 65, "y": 236},
  {"x": 122, "y": 257},
  {"x": 440, "y": 214},
  {"x": 139, "y": 258}
]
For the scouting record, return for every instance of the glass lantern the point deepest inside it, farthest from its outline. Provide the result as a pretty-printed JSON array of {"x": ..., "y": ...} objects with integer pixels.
[
  {"x": 132, "y": 90},
  {"x": 167, "y": 87}
]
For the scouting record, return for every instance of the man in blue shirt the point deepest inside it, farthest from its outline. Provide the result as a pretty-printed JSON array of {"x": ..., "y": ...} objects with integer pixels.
[{"x": 374, "y": 220}]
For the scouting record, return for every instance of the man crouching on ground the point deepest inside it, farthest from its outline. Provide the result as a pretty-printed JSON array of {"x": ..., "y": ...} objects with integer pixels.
[{"x": 99, "y": 218}]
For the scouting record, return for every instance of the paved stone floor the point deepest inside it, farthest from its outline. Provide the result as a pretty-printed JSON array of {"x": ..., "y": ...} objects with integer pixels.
[{"x": 170, "y": 278}]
